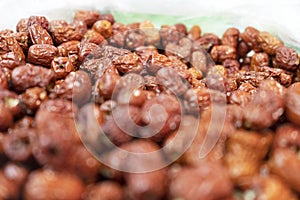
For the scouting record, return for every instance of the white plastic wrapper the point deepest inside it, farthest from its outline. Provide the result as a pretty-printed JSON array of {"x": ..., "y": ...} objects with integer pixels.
[{"x": 278, "y": 17}]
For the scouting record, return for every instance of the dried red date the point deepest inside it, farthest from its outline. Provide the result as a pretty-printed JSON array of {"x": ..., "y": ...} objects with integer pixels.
[
  {"x": 62, "y": 66},
  {"x": 182, "y": 50},
  {"x": 103, "y": 27},
  {"x": 32, "y": 98},
  {"x": 11, "y": 54},
  {"x": 76, "y": 87},
  {"x": 22, "y": 25},
  {"x": 128, "y": 63},
  {"x": 39, "y": 20},
  {"x": 64, "y": 33},
  {"x": 169, "y": 34},
  {"x": 22, "y": 39},
  {"x": 268, "y": 42},
  {"x": 88, "y": 51},
  {"x": 118, "y": 34},
  {"x": 259, "y": 60},
  {"x": 27, "y": 76},
  {"x": 249, "y": 36},
  {"x": 42, "y": 54},
  {"x": 231, "y": 37},
  {"x": 68, "y": 48},
  {"x": 207, "y": 41},
  {"x": 87, "y": 16},
  {"x": 171, "y": 81},
  {"x": 106, "y": 83},
  {"x": 109, "y": 17},
  {"x": 259, "y": 114},
  {"x": 286, "y": 58},
  {"x": 133, "y": 39},
  {"x": 94, "y": 37},
  {"x": 39, "y": 35},
  {"x": 223, "y": 52},
  {"x": 231, "y": 66},
  {"x": 151, "y": 34},
  {"x": 242, "y": 49}
]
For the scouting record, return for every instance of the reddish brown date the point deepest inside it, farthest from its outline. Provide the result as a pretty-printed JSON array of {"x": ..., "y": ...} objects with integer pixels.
[
  {"x": 42, "y": 54},
  {"x": 27, "y": 76}
]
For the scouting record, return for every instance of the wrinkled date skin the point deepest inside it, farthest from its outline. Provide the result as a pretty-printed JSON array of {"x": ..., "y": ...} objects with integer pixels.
[
  {"x": 27, "y": 76},
  {"x": 39, "y": 35},
  {"x": 286, "y": 58},
  {"x": 42, "y": 54},
  {"x": 11, "y": 54}
]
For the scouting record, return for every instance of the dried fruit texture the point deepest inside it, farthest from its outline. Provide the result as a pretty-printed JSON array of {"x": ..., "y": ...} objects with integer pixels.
[
  {"x": 231, "y": 37},
  {"x": 182, "y": 50},
  {"x": 245, "y": 151},
  {"x": 11, "y": 54},
  {"x": 286, "y": 58},
  {"x": 268, "y": 42},
  {"x": 94, "y": 37},
  {"x": 222, "y": 52},
  {"x": 62, "y": 66},
  {"x": 103, "y": 27},
  {"x": 47, "y": 184},
  {"x": 39, "y": 20},
  {"x": 259, "y": 60},
  {"x": 171, "y": 81},
  {"x": 64, "y": 33},
  {"x": 118, "y": 35},
  {"x": 27, "y": 76},
  {"x": 250, "y": 37},
  {"x": 68, "y": 48},
  {"x": 39, "y": 35},
  {"x": 201, "y": 182},
  {"x": 207, "y": 41},
  {"x": 22, "y": 25},
  {"x": 42, "y": 54},
  {"x": 243, "y": 95}
]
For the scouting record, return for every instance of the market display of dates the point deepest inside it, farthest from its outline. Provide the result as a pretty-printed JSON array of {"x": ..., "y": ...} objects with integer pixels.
[{"x": 96, "y": 109}]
